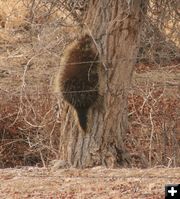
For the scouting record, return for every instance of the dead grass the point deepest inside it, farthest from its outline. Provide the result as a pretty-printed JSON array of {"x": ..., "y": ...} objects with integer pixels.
[{"x": 89, "y": 183}]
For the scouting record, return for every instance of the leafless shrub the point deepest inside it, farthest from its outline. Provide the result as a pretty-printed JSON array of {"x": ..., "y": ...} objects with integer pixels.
[
  {"x": 154, "y": 118},
  {"x": 160, "y": 38},
  {"x": 29, "y": 130}
]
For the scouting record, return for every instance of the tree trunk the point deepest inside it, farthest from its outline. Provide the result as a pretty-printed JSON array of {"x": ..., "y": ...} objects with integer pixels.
[{"x": 116, "y": 26}]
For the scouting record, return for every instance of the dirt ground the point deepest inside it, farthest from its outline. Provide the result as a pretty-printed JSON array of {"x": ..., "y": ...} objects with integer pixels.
[{"x": 98, "y": 182}]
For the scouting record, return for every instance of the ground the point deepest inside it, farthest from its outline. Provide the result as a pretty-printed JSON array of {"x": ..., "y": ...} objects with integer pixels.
[{"x": 98, "y": 182}]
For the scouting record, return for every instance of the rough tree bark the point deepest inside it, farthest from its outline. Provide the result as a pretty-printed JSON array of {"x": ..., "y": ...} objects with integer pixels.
[{"x": 116, "y": 26}]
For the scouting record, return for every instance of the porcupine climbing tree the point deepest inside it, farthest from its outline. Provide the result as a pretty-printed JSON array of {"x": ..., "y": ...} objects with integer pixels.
[{"x": 116, "y": 27}]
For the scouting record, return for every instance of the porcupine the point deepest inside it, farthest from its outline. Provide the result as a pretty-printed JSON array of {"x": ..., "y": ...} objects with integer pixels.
[{"x": 78, "y": 76}]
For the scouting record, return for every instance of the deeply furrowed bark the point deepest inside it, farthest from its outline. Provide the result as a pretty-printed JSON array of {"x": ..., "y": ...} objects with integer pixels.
[{"x": 116, "y": 27}]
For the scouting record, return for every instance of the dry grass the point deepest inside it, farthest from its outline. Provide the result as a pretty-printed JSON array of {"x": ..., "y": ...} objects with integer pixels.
[{"x": 89, "y": 183}]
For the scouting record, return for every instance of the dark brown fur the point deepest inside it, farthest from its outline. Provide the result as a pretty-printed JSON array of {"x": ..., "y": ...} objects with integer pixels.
[{"x": 79, "y": 77}]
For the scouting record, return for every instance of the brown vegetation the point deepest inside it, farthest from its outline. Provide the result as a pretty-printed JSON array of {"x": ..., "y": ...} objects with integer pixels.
[
  {"x": 32, "y": 39},
  {"x": 30, "y": 112}
]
